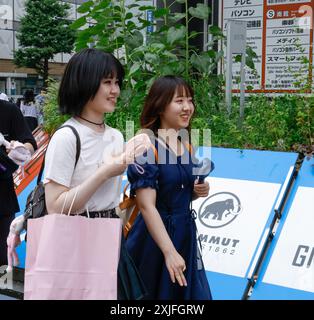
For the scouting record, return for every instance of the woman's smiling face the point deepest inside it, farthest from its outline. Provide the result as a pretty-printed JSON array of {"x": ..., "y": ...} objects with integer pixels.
[
  {"x": 178, "y": 113},
  {"x": 106, "y": 97}
]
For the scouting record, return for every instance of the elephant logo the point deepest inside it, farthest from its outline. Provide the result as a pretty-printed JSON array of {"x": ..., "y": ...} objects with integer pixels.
[{"x": 219, "y": 210}]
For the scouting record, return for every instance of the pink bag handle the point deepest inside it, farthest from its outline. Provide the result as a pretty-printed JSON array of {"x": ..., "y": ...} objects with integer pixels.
[{"x": 65, "y": 200}]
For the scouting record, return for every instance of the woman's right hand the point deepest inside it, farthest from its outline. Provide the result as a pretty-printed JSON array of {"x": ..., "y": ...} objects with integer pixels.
[
  {"x": 176, "y": 266},
  {"x": 114, "y": 169},
  {"x": 136, "y": 147}
]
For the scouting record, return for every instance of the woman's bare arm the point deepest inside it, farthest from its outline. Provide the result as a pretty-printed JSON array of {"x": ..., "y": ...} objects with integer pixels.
[
  {"x": 146, "y": 200},
  {"x": 55, "y": 193}
]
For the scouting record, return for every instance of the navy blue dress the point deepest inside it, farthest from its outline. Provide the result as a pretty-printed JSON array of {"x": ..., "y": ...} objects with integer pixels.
[{"x": 174, "y": 185}]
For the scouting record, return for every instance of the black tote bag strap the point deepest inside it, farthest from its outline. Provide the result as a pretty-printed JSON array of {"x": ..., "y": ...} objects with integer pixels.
[{"x": 78, "y": 151}]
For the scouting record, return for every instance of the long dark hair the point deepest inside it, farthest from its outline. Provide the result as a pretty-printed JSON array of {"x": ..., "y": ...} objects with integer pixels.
[
  {"x": 159, "y": 97},
  {"x": 29, "y": 96}
]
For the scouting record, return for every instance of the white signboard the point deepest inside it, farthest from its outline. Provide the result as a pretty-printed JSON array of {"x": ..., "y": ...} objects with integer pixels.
[
  {"x": 230, "y": 222},
  {"x": 292, "y": 263},
  {"x": 287, "y": 44},
  {"x": 279, "y": 31},
  {"x": 252, "y": 12}
]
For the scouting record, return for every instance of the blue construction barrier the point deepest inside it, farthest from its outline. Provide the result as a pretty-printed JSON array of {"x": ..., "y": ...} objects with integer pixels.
[
  {"x": 287, "y": 271},
  {"x": 22, "y": 202},
  {"x": 233, "y": 221}
]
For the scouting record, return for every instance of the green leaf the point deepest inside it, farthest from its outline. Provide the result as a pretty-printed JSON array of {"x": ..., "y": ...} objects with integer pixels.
[
  {"x": 215, "y": 31},
  {"x": 174, "y": 34},
  {"x": 250, "y": 52},
  {"x": 250, "y": 62},
  {"x": 128, "y": 16},
  {"x": 134, "y": 68},
  {"x": 97, "y": 28},
  {"x": 131, "y": 6},
  {"x": 117, "y": 9},
  {"x": 85, "y": 7},
  {"x": 158, "y": 46},
  {"x": 80, "y": 22},
  {"x": 130, "y": 25},
  {"x": 201, "y": 11},
  {"x": 170, "y": 55},
  {"x": 179, "y": 16},
  {"x": 161, "y": 12},
  {"x": 144, "y": 8},
  {"x": 167, "y": 70},
  {"x": 211, "y": 54},
  {"x": 202, "y": 62},
  {"x": 150, "y": 82},
  {"x": 238, "y": 58},
  {"x": 194, "y": 34},
  {"x": 219, "y": 55},
  {"x": 144, "y": 22},
  {"x": 181, "y": 1},
  {"x": 151, "y": 58},
  {"x": 79, "y": 45},
  {"x": 134, "y": 40}
]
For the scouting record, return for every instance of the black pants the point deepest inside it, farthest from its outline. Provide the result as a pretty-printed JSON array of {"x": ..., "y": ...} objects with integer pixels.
[
  {"x": 32, "y": 123},
  {"x": 5, "y": 222}
]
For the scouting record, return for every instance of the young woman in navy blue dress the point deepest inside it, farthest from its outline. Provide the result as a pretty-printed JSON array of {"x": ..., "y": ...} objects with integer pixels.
[{"x": 163, "y": 239}]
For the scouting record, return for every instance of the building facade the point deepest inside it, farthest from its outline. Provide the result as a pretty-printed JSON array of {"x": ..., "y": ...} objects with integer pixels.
[{"x": 14, "y": 81}]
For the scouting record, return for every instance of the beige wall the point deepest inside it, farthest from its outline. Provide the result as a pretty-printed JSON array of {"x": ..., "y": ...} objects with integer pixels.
[{"x": 9, "y": 67}]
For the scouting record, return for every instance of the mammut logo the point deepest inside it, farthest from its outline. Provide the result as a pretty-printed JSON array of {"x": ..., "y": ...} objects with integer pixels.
[{"x": 219, "y": 209}]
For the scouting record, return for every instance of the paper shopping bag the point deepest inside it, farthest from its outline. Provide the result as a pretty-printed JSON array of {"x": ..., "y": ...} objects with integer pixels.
[{"x": 72, "y": 258}]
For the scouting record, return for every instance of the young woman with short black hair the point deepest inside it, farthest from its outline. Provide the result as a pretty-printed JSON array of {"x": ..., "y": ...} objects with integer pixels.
[{"x": 90, "y": 88}]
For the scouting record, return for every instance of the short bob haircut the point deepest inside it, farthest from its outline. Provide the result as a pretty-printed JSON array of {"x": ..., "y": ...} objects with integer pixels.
[
  {"x": 159, "y": 97},
  {"x": 82, "y": 78}
]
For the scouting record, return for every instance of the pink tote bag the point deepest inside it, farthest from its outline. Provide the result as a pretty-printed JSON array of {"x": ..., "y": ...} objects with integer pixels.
[{"x": 72, "y": 258}]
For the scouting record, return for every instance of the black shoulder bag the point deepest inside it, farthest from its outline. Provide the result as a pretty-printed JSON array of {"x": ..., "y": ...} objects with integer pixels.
[{"x": 35, "y": 203}]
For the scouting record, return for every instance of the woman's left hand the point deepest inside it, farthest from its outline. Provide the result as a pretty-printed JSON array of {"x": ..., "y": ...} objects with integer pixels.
[{"x": 202, "y": 189}]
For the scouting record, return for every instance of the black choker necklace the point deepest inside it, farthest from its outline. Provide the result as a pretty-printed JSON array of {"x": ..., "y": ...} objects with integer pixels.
[{"x": 97, "y": 124}]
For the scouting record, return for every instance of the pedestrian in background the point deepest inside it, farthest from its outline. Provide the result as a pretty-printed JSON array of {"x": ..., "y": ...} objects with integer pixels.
[
  {"x": 29, "y": 110},
  {"x": 14, "y": 128}
]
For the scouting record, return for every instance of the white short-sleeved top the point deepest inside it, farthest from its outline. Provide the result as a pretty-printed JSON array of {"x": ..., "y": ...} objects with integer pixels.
[{"x": 95, "y": 146}]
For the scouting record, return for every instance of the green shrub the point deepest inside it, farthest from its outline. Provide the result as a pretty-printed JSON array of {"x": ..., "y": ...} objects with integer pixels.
[
  {"x": 52, "y": 117},
  {"x": 282, "y": 123},
  {"x": 278, "y": 123}
]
